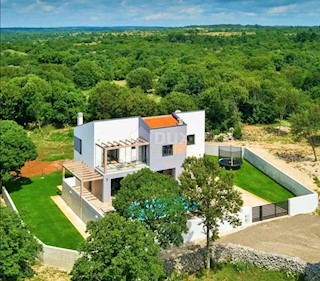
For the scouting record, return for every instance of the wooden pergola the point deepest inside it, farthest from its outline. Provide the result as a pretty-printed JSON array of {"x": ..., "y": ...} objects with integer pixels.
[
  {"x": 120, "y": 144},
  {"x": 83, "y": 173}
]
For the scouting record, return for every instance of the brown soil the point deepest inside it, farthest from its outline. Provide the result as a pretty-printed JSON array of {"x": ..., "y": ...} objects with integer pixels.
[
  {"x": 297, "y": 236},
  {"x": 38, "y": 168},
  {"x": 46, "y": 273}
]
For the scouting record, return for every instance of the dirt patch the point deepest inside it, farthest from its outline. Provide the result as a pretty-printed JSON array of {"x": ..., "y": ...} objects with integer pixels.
[
  {"x": 38, "y": 168},
  {"x": 46, "y": 273},
  {"x": 297, "y": 236}
]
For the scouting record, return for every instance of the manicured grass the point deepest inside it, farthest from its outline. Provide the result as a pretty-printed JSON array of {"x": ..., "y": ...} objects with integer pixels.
[
  {"x": 32, "y": 199},
  {"x": 253, "y": 180},
  {"x": 242, "y": 272},
  {"x": 249, "y": 178},
  {"x": 53, "y": 144}
]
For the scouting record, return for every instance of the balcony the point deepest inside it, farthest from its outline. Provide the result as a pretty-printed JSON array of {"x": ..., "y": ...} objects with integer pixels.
[{"x": 121, "y": 156}]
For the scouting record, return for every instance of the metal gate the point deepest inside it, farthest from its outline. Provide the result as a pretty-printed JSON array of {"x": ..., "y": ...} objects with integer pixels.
[{"x": 269, "y": 211}]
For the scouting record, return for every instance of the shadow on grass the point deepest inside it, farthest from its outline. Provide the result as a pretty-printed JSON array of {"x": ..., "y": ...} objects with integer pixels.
[{"x": 17, "y": 183}]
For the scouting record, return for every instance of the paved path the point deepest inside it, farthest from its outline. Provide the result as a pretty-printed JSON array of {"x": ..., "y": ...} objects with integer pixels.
[
  {"x": 250, "y": 199},
  {"x": 297, "y": 236},
  {"x": 72, "y": 217}
]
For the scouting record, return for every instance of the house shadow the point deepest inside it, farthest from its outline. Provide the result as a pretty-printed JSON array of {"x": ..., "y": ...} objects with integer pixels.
[{"x": 16, "y": 184}]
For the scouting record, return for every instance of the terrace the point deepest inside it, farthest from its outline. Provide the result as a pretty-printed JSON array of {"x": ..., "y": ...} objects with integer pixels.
[{"x": 124, "y": 155}]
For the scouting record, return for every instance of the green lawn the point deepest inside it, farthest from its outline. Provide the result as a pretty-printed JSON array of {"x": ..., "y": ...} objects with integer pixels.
[
  {"x": 32, "y": 198},
  {"x": 253, "y": 180},
  {"x": 249, "y": 178},
  {"x": 242, "y": 272}
]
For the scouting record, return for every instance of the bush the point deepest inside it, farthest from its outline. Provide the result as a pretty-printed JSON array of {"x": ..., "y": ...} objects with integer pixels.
[{"x": 18, "y": 247}]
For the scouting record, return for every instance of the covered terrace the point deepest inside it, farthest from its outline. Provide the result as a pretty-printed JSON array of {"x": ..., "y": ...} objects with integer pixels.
[{"x": 122, "y": 154}]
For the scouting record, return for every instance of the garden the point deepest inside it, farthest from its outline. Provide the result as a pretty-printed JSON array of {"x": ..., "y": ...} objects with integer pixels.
[{"x": 49, "y": 224}]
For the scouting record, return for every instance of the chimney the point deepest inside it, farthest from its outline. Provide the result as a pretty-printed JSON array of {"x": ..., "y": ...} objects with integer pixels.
[
  {"x": 79, "y": 118},
  {"x": 180, "y": 122}
]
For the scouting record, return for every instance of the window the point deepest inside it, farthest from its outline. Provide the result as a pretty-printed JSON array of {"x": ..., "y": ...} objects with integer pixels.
[
  {"x": 78, "y": 145},
  {"x": 190, "y": 139},
  {"x": 167, "y": 150},
  {"x": 113, "y": 155}
]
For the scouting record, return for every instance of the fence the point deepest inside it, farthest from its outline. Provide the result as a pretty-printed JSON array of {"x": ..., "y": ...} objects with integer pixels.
[
  {"x": 269, "y": 211},
  {"x": 61, "y": 258},
  {"x": 305, "y": 201}
]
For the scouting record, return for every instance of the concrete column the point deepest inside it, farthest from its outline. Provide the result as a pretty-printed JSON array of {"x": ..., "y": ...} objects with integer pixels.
[{"x": 106, "y": 189}]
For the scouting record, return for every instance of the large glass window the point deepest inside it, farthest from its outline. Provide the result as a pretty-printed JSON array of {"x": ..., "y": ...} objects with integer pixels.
[
  {"x": 167, "y": 150},
  {"x": 190, "y": 139},
  {"x": 78, "y": 145}
]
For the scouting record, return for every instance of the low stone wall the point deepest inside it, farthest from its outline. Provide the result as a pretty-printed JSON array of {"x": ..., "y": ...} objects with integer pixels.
[
  {"x": 191, "y": 260},
  {"x": 7, "y": 199}
]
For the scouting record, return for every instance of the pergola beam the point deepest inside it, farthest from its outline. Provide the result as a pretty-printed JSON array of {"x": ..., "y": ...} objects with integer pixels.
[{"x": 122, "y": 143}]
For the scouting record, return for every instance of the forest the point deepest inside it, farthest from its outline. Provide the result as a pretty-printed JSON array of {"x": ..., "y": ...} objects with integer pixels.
[{"x": 238, "y": 74}]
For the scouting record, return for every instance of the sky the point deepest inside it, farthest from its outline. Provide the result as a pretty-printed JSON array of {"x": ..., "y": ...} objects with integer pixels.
[{"x": 58, "y": 13}]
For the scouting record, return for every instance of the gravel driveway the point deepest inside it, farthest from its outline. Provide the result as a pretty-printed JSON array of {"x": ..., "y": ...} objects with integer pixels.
[{"x": 297, "y": 236}]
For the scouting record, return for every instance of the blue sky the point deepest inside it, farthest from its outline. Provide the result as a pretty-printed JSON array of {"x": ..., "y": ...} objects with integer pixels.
[{"x": 48, "y": 13}]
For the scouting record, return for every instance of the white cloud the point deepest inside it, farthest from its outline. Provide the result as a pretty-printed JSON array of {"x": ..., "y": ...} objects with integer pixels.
[
  {"x": 191, "y": 10},
  {"x": 248, "y": 14},
  {"x": 38, "y": 5},
  {"x": 281, "y": 9},
  {"x": 175, "y": 13},
  {"x": 160, "y": 16}
]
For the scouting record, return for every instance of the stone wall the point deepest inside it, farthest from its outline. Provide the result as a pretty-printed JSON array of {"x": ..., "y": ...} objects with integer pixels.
[{"x": 191, "y": 260}]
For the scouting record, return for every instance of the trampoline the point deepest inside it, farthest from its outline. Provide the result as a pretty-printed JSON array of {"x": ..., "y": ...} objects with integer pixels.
[{"x": 230, "y": 157}]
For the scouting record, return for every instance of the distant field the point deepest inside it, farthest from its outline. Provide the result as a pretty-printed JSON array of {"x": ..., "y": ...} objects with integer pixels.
[
  {"x": 53, "y": 144},
  {"x": 122, "y": 83},
  {"x": 226, "y": 33}
]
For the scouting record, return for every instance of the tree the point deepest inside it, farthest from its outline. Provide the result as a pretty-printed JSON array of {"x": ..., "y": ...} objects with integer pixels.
[
  {"x": 286, "y": 101},
  {"x": 140, "y": 77},
  {"x": 192, "y": 81},
  {"x": 306, "y": 124},
  {"x": 18, "y": 247},
  {"x": 210, "y": 189},
  {"x": 153, "y": 199},
  {"x": 118, "y": 249},
  {"x": 87, "y": 74},
  {"x": 102, "y": 100},
  {"x": 25, "y": 99},
  {"x": 66, "y": 102},
  {"x": 176, "y": 100},
  {"x": 135, "y": 103},
  {"x": 15, "y": 148}
]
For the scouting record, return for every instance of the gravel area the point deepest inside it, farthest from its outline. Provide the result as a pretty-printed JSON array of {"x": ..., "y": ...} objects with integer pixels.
[{"x": 297, "y": 236}]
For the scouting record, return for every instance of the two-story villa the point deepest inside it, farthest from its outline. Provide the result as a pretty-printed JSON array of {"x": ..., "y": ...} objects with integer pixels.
[{"x": 106, "y": 151}]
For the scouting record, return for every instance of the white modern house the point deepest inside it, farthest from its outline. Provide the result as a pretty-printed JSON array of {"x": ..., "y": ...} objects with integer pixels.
[{"x": 106, "y": 151}]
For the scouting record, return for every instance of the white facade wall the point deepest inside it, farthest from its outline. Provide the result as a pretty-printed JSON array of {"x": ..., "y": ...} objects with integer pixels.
[
  {"x": 115, "y": 130},
  {"x": 196, "y": 230},
  {"x": 85, "y": 132},
  {"x": 303, "y": 204},
  {"x": 195, "y": 121}
]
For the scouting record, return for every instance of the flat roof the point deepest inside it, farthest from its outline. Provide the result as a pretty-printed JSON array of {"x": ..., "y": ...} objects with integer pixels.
[{"x": 160, "y": 121}]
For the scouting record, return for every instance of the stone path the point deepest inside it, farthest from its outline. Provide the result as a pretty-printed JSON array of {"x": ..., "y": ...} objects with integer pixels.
[
  {"x": 250, "y": 199},
  {"x": 72, "y": 217}
]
